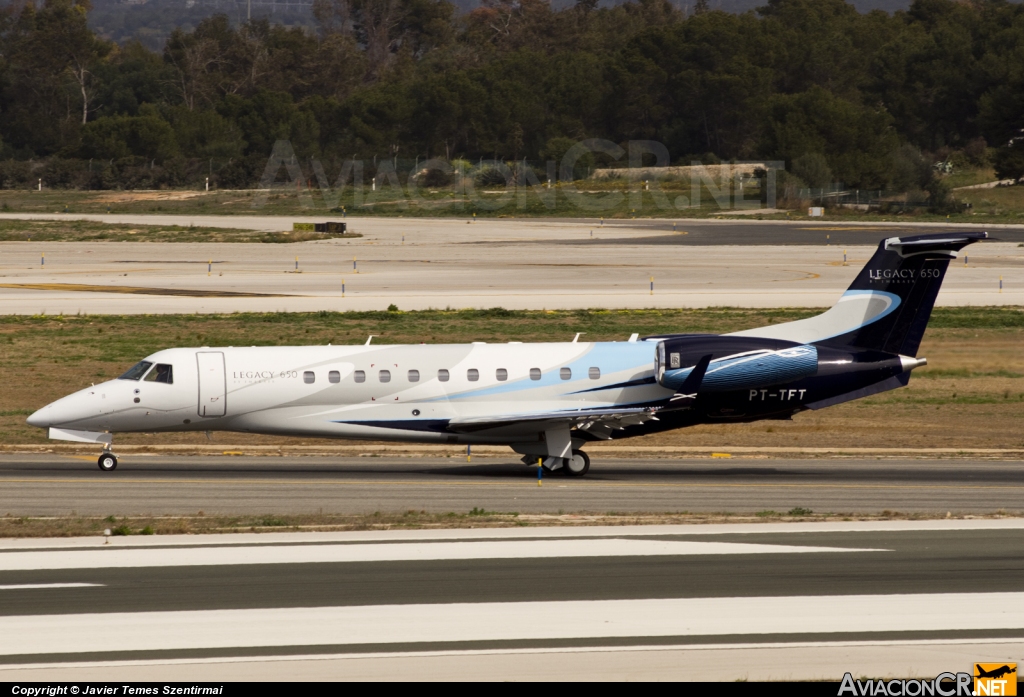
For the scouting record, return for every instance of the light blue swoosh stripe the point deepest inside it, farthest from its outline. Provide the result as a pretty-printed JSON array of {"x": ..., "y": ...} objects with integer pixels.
[{"x": 610, "y": 357}]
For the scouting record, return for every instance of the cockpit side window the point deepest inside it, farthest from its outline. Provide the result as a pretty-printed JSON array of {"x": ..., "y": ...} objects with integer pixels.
[
  {"x": 137, "y": 371},
  {"x": 161, "y": 373}
]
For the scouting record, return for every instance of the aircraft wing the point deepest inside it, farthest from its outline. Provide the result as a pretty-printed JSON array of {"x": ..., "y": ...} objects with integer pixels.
[{"x": 599, "y": 422}]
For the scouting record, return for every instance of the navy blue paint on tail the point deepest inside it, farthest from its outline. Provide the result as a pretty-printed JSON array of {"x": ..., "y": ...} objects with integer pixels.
[{"x": 912, "y": 269}]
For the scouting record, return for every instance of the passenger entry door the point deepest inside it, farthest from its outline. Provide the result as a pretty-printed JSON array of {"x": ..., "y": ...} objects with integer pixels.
[{"x": 212, "y": 383}]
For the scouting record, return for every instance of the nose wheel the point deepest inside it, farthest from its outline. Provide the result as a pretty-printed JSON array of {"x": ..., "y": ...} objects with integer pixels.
[{"x": 108, "y": 462}]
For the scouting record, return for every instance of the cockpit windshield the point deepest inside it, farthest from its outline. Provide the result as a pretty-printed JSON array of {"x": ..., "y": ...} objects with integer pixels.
[
  {"x": 137, "y": 371},
  {"x": 161, "y": 373}
]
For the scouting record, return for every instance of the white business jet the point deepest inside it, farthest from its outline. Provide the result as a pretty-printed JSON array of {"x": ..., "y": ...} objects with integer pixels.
[{"x": 544, "y": 400}]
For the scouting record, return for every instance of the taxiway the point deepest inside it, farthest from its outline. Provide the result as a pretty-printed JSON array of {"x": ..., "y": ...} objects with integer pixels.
[{"x": 181, "y": 485}]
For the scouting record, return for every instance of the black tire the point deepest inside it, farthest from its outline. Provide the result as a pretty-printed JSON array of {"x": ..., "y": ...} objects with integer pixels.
[
  {"x": 107, "y": 462},
  {"x": 572, "y": 467}
]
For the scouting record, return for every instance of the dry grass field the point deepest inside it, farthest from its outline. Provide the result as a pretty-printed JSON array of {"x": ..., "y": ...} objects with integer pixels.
[
  {"x": 971, "y": 395},
  {"x": 91, "y": 231}
]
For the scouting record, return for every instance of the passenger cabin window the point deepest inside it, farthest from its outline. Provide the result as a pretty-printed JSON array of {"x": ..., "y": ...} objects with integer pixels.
[
  {"x": 161, "y": 373},
  {"x": 414, "y": 376},
  {"x": 565, "y": 373},
  {"x": 535, "y": 373},
  {"x": 360, "y": 376},
  {"x": 309, "y": 377},
  {"x": 472, "y": 374},
  {"x": 501, "y": 374},
  {"x": 385, "y": 376},
  {"x": 442, "y": 375},
  {"x": 594, "y": 373},
  {"x": 136, "y": 371},
  {"x": 334, "y": 376}
]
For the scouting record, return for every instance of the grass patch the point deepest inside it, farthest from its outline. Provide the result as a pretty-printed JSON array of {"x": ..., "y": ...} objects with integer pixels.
[
  {"x": 612, "y": 199},
  {"x": 91, "y": 231}
]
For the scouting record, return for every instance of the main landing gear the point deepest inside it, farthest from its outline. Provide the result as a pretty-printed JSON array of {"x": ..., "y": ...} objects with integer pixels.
[
  {"x": 107, "y": 461},
  {"x": 575, "y": 466}
]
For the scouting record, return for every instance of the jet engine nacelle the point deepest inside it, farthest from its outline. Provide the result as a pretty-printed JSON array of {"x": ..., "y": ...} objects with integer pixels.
[{"x": 736, "y": 363}]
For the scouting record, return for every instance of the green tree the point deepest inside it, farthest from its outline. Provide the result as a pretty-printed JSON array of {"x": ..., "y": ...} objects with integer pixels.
[
  {"x": 116, "y": 137},
  {"x": 1009, "y": 161}
]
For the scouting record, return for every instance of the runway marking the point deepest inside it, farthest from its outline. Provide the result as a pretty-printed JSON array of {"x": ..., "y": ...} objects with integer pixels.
[
  {"x": 31, "y": 586},
  {"x": 136, "y": 290},
  {"x": 124, "y": 558},
  {"x": 514, "y": 484},
  {"x": 267, "y": 539},
  {"x": 627, "y": 648},
  {"x": 388, "y": 624}
]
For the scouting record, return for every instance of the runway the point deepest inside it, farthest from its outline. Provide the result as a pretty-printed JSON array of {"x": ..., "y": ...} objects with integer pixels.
[
  {"x": 418, "y": 263},
  {"x": 711, "y": 602},
  {"x": 43, "y": 485}
]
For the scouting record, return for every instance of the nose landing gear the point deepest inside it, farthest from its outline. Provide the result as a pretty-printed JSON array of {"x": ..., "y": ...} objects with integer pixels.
[{"x": 107, "y": 461}]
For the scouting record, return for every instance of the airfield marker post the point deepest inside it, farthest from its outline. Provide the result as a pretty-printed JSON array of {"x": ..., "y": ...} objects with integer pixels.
[
  {"x": 469, "y": 452},
  {"x": 540, "y": 472},
  {"x": 652, "y": 285},
  {"x": 355, "y": 269},
  {"x": 1000, "y": 284},
  {"x": 296, "y": 263},
  {"x": 209, "y": 267},
  {"x": 844, "y": 257},
  {"x": 343, "y": 287},
  {"x": 42, "y": 260}
]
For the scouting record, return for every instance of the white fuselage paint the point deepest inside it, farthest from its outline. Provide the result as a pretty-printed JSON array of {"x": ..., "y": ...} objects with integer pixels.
[{"x": 266, "y": 390}]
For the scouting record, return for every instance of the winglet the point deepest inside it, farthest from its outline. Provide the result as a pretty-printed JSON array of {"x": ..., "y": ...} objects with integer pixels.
[{"x": 691, "y": 385}]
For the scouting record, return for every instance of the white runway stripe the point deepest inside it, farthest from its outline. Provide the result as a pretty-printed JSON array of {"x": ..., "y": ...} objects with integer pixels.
[
  {"x": 303, "y": 554},
  {"x": 29, "y": 586},
  {"x": 464, "y": 534},
  {"x": 519, "y": 651},
  {"x": 385, "y": 624}
]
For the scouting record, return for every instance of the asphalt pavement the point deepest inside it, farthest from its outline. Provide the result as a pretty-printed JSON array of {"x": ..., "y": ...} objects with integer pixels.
[
  {"x": 773, "y": 601},
  {"x": 182, "y": 485}
]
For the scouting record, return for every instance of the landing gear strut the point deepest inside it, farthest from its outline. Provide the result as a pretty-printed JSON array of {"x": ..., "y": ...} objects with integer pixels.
[{"x": 107, "y": 461}]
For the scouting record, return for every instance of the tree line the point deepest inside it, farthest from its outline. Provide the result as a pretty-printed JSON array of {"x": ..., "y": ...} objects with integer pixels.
[{"x": 871, "y": 100}]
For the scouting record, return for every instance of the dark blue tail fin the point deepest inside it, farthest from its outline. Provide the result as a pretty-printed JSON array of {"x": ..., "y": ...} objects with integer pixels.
[
  {"x": 889, "y": 303},
  {"x": 907, "y": 272}
]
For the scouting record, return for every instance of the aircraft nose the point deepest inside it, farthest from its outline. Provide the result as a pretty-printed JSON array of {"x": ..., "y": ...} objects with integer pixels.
[
  {"x": 64, "y": 412},
  {"x": 40, "y": 418}
]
